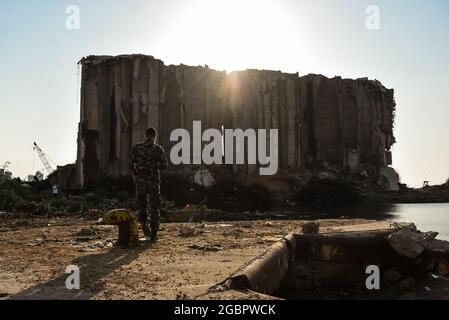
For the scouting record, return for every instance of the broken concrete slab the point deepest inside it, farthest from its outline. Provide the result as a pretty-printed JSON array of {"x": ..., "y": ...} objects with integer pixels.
[{"x": 410, "y": 243}]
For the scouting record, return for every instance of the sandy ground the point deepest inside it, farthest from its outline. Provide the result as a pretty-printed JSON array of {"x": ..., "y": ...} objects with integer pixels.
[{"x": 34, "y": 256}]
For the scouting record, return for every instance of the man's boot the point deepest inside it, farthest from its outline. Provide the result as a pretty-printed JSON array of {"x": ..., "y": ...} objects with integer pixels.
[
  {"x": 154, "y": 237},
  {"x": 154, "y": 224},
  {"x": 143, "y": 219},
  {"x": 146, "y": 229},
  {"x": 154, "y": 230}
]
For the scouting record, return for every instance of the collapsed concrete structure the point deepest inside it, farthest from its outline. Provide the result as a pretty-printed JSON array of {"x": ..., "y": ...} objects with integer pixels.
[{"x": 340, "y": 122}]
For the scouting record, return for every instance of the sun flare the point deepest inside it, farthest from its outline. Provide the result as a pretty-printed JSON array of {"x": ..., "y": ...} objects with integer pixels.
[{"x": 233, "y": 35}]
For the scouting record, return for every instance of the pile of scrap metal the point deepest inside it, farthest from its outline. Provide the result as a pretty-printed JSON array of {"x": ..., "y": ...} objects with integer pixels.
[{"x": 334, "y": 265}]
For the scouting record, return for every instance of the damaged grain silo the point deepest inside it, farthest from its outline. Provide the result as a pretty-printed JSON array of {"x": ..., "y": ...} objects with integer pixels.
[{"x": 340, "y": 122}]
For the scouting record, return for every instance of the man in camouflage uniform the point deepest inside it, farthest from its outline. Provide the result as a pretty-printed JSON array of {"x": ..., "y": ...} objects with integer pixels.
[{"x": 147, "y": 160}]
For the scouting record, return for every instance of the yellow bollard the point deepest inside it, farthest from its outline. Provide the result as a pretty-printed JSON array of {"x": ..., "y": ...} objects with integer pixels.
[{"x": 128, "y": 226}]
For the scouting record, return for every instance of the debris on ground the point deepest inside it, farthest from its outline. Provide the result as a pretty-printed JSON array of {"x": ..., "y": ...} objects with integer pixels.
[
  {"x": 35, "y": 243},
  {"x": 187, "y": 232},
  {"x": 235, "y": 233},
  {"x": 245, "y": 224},
  {"x": 87, "y": 232},
  {"x": 411, "y": 243},
  {"x": 311, "y": 227},
  {"x": 272, "y": 239},
  {"x": 175, "y": 266},
  {"x": 206, "y": 247},
  {"x": 156, "y": 272}
]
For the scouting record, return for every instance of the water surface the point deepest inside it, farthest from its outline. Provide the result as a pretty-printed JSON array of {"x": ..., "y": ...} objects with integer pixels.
[{"x": 426, "y": 216}]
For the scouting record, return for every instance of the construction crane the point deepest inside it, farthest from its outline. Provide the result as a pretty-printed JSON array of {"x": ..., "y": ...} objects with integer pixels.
[{"x": 44, "y": 158}]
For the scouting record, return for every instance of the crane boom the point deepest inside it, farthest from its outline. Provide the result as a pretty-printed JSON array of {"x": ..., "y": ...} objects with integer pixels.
[{"x": 44, "y": 158}]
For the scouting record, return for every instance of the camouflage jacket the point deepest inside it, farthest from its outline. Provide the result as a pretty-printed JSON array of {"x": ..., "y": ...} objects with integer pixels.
[{"x": 147, "y": 160}]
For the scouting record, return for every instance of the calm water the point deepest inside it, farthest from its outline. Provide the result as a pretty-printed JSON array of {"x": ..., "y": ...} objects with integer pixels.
[{"x": 426, "y": 216}]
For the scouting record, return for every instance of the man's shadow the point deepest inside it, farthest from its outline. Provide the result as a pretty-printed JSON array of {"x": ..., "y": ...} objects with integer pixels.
[{"x": 93, "y": 270}]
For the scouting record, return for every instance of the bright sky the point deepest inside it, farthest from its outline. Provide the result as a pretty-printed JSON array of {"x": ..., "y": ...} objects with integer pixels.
[{"x": 410, "y": 53}]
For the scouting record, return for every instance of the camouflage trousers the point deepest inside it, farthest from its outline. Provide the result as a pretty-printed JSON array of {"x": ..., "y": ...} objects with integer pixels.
[{"x": 148, "y": 201}]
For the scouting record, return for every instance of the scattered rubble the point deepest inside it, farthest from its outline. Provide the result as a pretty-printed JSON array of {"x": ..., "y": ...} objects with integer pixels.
[
  {"x": 310, "y": 227},
  {"x": 333, "y": 266},
  {"x": 206, "y": 247},
  {"x": 235, "y": 233},
  {"x": 189, "y": 266},
  {"x": 87, "y": 232},
  {"x": 187, "y": 232},
  {"x": 409, "y": 242}
]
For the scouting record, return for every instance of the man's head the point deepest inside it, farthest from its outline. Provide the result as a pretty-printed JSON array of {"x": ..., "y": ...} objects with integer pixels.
[{"x": 151, "y": 134}]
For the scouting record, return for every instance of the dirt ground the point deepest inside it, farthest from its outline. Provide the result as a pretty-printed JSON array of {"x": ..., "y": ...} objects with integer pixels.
[{"x": 34, "y": 255}]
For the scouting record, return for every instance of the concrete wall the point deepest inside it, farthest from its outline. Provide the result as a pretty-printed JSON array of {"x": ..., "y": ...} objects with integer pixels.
[{"x": 343, "y": 122}]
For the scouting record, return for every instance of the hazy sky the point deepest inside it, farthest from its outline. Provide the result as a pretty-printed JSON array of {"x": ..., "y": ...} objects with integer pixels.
[{"x": 410, "y": 53}]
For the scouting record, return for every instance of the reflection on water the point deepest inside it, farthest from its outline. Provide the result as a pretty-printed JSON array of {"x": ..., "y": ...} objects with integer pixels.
[{"x": 426, "y": 216}]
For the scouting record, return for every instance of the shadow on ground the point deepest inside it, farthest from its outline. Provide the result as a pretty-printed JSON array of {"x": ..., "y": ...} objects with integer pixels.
[{"x": 93, "y": 271}]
